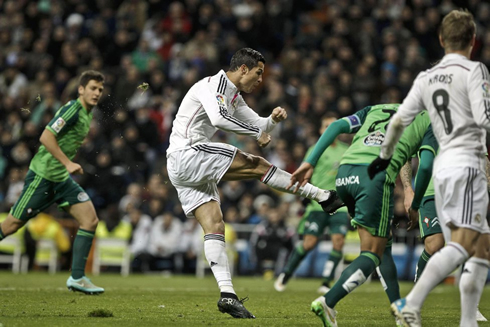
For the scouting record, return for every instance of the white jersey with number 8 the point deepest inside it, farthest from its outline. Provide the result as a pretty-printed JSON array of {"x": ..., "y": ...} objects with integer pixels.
[{"x": 456, "y": 92}]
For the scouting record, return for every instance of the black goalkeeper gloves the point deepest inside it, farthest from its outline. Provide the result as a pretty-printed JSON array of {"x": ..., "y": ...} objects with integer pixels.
[{"x": 377, "y": 166}]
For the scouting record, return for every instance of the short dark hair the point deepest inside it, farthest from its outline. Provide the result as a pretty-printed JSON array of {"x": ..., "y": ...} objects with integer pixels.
[
  {"x": 246, "y": 56},
  {"x": 89, "y": 75}
]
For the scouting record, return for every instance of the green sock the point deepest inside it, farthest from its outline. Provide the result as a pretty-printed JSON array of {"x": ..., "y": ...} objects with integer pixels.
[
  {"x": 294, "y": 260},
  {"x": 330, "y": 266},
  {"x": 388, "y": 276},
  {"x": 81, "y": 250},
  {"x": 352, "y": 277},
  {"x": 424, "y": 257}
]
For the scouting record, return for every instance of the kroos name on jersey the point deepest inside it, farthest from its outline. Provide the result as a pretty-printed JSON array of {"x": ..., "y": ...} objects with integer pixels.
[{"x": 443, "y": 78}]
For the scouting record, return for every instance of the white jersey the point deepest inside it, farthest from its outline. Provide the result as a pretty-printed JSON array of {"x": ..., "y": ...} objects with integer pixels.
[
  {"x": 214, "y": 103},
  {"x": 456, "y": 93}
]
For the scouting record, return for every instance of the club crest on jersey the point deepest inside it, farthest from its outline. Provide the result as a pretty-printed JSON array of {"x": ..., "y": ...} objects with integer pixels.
[
  {"x": 374, "y": 139},
  {"x": 234, "y": 102},
  {"x": 58, "y": 125}
]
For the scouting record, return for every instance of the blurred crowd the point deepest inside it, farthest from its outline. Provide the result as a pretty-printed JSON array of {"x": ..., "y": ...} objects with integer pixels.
[{"x": 322, "y": 56}]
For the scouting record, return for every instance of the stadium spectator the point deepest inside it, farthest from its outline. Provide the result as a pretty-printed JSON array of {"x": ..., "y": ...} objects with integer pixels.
[
  {"x": 164, "y": 241},
  {"x": 141, "y": 225},
  {"x": 270, "y": 244}
]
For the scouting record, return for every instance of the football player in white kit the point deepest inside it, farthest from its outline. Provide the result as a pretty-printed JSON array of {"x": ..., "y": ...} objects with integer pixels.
[
  {"x": 456, "y": 94},
  {"x": 196, "y": 165}
]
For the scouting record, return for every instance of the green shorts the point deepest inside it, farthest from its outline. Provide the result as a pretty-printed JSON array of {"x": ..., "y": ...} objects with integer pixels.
[
  {"x": 428, "y": 221},
  {"x": 370, "y": 202},
  {"x": 39, "y": 193},
  {"x": 315, "y": 222}
]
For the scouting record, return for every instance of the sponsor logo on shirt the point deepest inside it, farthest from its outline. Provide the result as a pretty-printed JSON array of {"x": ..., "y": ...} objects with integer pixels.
[
  {"x": 58, "y": 125},
  {"x": 374, "y": 139},
  {"x": 347, "y": 181}
]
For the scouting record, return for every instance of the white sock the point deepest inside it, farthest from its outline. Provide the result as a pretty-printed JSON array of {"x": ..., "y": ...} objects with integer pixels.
[
  {"x": 215, "y": 252},
  {"x": 280, "y": 179},
  {"x": 440, "y": 265},
  {"x": 471, "y": 285}
]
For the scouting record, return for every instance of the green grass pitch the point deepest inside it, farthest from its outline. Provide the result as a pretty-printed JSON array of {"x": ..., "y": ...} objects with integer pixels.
[{"x": 39, "y": 299}]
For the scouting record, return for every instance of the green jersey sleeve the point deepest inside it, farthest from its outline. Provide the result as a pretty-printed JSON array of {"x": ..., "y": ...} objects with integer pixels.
[
  {"x": 348, "y": 124},
  {"x": 65, "y": 117},
  {"x": 429, "y": 142},
  {"x": 423, "y": 181},
  {"x": 356, "y": 120}
]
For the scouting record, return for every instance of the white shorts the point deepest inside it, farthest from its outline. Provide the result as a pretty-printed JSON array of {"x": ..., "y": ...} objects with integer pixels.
[
  {"x": 195, "y": 173},
  {"x": 461, "y": 199}
]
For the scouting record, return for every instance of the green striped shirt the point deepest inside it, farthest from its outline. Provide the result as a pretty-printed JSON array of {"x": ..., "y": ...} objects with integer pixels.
[
  {"x": 370, "y": 124},
  {"x": 70, "y": 125}
]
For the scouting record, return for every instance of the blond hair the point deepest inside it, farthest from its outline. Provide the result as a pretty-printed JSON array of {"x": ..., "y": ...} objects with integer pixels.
[{"x": 457, "y": 30}]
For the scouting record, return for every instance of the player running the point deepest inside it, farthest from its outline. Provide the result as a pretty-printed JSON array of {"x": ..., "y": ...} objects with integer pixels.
[
  {"x": 456, "y": 92},
  {"x": 315, "y": 221},
  {"x": 48, "y": 180},
  {"x": 370, "y": 202}
]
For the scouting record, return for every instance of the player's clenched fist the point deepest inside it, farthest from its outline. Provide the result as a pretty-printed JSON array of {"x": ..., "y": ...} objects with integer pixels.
[
  {"x": 279, "y": 114},
  {"x": 74, "y": 168},
  {"x": 264, "y": 139}
]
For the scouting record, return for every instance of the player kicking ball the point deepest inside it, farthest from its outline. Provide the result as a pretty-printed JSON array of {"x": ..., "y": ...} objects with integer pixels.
[{"x": 196, "y": 164}]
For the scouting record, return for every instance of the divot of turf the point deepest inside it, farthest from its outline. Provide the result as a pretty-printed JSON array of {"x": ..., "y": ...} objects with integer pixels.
[{"x": 101, "y": 313}]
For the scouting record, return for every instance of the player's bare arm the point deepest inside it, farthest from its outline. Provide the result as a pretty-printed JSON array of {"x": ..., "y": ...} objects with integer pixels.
[
  {"x": 49, "y": 141},
  {"x": 406, "y": 178}
]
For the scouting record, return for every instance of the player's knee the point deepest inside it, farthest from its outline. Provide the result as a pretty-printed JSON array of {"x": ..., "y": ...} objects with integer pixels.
[
  {"x": 256, "y": 162},
  {"x": 89, "y": 222},
  {"x": 338, "y": 243},
  {"x": 310, "y": 243},
  {"x": 11, "y": 225},
  {"x": 434, "y": 244},
  {"x": 216, "y": 228}
]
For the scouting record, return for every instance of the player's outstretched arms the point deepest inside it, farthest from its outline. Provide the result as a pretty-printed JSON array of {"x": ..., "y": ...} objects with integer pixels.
[
  {"x": 378, "y": 165},
  {"x": 301, "y": 176},
  {"x": 279, "y": 114},
  {"x": 264, "y": 139}
]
